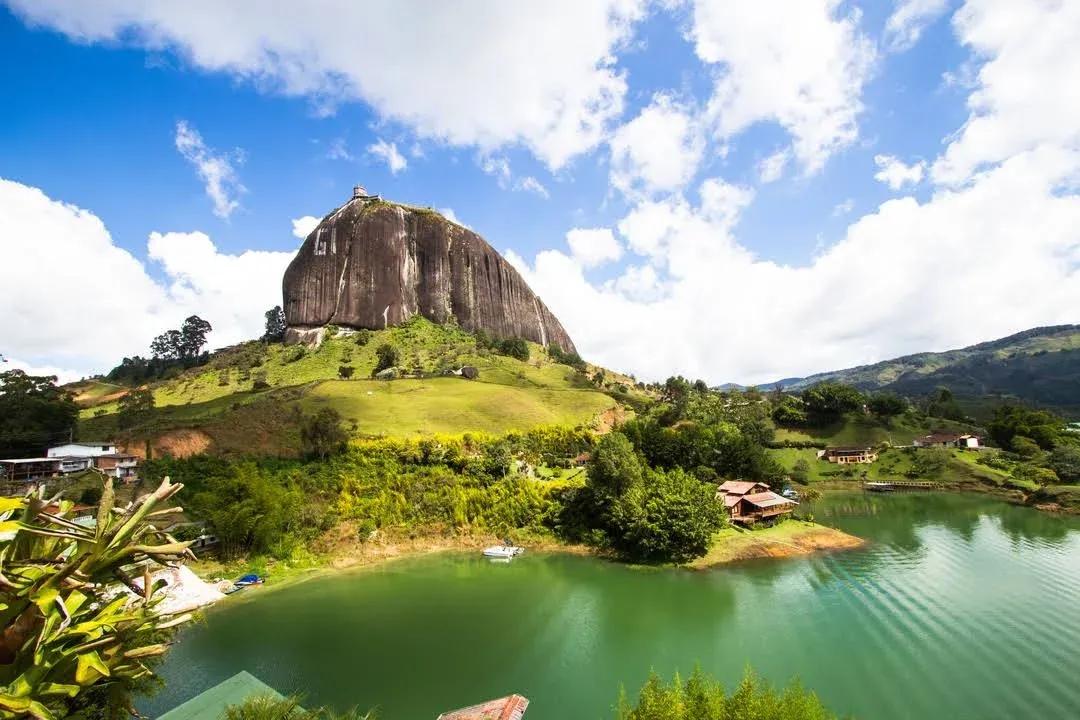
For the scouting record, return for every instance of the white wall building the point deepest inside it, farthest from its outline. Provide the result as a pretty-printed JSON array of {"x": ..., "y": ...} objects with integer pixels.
[{"x": 82, "y": 450}]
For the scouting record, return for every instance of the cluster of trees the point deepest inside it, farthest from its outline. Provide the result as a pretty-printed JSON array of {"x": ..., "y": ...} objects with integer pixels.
[
  {"x": 511, "y": 347},
  {"x": 171, "y": 352},
  {"x": 641, "y": 513},
  {"x": 700, "y": 697},
  {"x": 275, "y": 325},
  {"x": 34, "y": 413}
]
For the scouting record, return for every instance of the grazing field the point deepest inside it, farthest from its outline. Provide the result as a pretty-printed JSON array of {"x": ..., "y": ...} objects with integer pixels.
[{"x": 451, "y": 405}]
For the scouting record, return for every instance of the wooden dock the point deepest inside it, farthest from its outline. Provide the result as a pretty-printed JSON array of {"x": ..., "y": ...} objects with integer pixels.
[{"x": 894, "y": 485}]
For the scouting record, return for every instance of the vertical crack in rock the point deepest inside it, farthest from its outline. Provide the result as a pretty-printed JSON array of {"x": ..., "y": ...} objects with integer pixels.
[{"x": 397, "y": 261}]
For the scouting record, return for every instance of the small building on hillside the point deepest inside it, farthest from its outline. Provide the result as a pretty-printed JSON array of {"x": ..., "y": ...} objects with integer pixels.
[
  {"x": 85, "y": 449},
  {"x": 948, "y": 440},
  {"x": 749, "y": 502},
  {"x": 511, "y": 707},
  {"x": 862, "y": 454},
  {"x": 29, "y": 469},
  {"x": 122, "y": 466}
]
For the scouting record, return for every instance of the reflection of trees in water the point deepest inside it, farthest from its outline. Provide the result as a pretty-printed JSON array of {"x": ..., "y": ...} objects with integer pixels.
[{"x": 895, "y": 518}]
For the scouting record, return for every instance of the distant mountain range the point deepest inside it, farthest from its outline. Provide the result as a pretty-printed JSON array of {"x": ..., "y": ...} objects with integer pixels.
[{"x": 1040, "y": 366}]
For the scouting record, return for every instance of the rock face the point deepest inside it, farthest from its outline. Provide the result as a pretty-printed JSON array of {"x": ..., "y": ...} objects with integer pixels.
[{"x": 372, "y": 264}]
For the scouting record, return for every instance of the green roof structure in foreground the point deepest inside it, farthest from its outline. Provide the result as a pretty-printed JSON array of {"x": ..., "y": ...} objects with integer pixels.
[{"x": 211, "y": 704}]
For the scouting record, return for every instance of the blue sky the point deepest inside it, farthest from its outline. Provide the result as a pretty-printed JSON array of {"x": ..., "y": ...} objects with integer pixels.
[{"x": 644, "y": 128}]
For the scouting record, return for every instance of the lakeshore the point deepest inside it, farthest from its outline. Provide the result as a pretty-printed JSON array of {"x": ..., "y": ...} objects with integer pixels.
[{"x": 877, "y": 631}]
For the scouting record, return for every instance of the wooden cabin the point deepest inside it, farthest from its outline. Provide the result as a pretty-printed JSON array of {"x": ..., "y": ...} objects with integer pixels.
[{"x": 749, "y": 502}]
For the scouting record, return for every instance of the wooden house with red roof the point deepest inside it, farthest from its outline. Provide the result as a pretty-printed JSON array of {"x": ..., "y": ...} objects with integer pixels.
[{"x": 748, "y": 502}]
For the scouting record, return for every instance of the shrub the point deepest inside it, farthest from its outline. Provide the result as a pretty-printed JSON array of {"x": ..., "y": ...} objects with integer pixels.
[
  {"x": 345, "y": 372},
  {"x": 386, "y": 356},
  {"x": 259, "y": 381},
  {"x": 321, "y": 434},
  {"x": 297, "y": 352},
  {"x": 515, "y": 348},
  {"x": 363, "y": 337}
]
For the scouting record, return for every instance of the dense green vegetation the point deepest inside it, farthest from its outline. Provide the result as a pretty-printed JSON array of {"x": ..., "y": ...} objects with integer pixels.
[
  {"x": 263, "y": 707},
  {"x": 70, "y": 648},
  {"x": 244, "y": 397},
  {"x": 1040, "y": 366},
  {"x": 700, "y": 697},
  {"x": 34, "y": 413}
]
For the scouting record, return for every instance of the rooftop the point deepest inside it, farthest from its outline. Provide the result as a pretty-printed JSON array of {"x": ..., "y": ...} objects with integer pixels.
[
  {"x": 511, "y": 707},
  {"x": 739, "y": 487},
  {"x": 211, "y": 704},
  {"x": 768, "y": 499}
]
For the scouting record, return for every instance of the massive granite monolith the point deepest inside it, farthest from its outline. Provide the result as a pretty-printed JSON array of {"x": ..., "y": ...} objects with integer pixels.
[{"x": 372, "y": 264}]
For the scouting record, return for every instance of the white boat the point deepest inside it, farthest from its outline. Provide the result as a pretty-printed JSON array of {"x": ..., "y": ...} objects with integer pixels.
[{"x": 503, "y": 551}]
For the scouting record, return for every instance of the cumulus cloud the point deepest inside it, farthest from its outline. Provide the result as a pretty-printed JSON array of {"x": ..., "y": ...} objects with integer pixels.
[
  {"x": 542, "y": 75},
  {"x": 908, "y": 20},
  {"x": 1026, "y": 93},
  {"x": 302, "y": 226},
  {"x": 895, "y": 173},
  {"x": 657, "y": 151},
  {"x": 593, "y": 246},
  {"x": 101, "y": 302},
  {"x": 711, "y": 309},
  {"x": 450, "y": 215},
  {"x": 388, "y": 153},
  {"x": 215, "y": 168},
  {"x": 799, "y": 63}
]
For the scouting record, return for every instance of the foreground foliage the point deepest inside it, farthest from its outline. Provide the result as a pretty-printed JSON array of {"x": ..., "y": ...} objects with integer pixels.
[
  {"x": 271, "y": 708},
  {"x": 700, "y": 697},
  {"x": 73, "y": 640}
]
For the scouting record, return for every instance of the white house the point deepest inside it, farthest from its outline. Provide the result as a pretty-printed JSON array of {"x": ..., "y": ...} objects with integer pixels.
[
  {"x": 82, "y": 450},
  {"x": 949, "y": 440}
]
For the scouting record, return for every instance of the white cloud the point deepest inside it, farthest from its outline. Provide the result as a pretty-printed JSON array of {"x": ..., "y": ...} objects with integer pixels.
[
  {"x": 843, "y": 208},
  {"x": 486, "y": 74},
  {"x": 771, "y": 168},
  {"x": 338, "y": 150},
  {"x": 216, "y": 169},
  {"x": 799, "y": 63},
  {"x": 710, "y": 309},
  {"x": 531, "y": 184},
  {"x": 1026, "y": 93},
  {"x": 908, "y": 20},
  {"x": 388, "y": 153},
  {"x": 302, "y": 226},
  {"x": 450, "y": 215},
  {"x": 593, "y": 246},
  {"x": 497, "y": 167},
  {"x": 895, "y": 173},
  {"x": 100, "y": 302},
  {"x": 657, "y": 151}
]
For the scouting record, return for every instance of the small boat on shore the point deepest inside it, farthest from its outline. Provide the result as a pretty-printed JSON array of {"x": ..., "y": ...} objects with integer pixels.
[{"x": 504, "y": 552}]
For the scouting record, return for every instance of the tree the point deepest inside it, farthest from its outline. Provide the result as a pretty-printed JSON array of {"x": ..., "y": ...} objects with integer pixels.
[
  {"x": 886, "y": 405},
  {"x": 169, "y": 345},
  {"x": 386, "y": 356},
  {"x": 135, "y": 407},
  {"x": 1025, "y": 447},
  {"x": 829, "y": 400},
  {"x": 66, "y": 635},
  {"x": 789, "y": 411},
  {"x": 321, "y": 434},
  {"x": 942, "y": 404},
  {"x": 275, "y": 325},
  {"x": 345, "y": 372},
  {"x": 34, "y": 413},
  {"x": 515, "y": 348},
  {"x": 193, "y": 336},
  {"x": 1043, "y": 427},
  {"x": 671, "y": 517},
  {"x": 614, "y": 465},
  {"x": 800, "y": 472},
  {"x": 930, "y": 462},
  {"x": 702, "y": 698},
  {"x": 1065, "y": 461}
]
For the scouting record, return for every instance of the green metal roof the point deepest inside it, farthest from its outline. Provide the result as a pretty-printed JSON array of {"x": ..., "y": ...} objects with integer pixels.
[{"x": 211, "y": 704}]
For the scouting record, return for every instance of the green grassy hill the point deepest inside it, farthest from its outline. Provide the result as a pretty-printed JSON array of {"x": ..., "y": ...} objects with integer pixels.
[
  {"x": 246, "y": 398},
  {"x": 1039, "y": 366}
]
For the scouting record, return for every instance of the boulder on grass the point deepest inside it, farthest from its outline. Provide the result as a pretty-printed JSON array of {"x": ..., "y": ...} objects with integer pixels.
[
  {"x": 390, "y": 373},
  {"x": 469, "y": 372}
]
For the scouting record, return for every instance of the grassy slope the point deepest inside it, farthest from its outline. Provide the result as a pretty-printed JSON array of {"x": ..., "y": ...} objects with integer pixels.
[
  {"x": 218, "y": 398},
  {"x": 858, "y": 429}
]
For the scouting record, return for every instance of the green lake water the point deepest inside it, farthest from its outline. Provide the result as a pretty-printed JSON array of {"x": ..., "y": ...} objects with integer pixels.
[{"x": 960, "y": 607}]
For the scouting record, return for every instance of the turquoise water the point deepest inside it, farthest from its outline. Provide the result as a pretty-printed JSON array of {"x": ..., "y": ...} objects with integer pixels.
[{"x": 960, "y": 607}]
